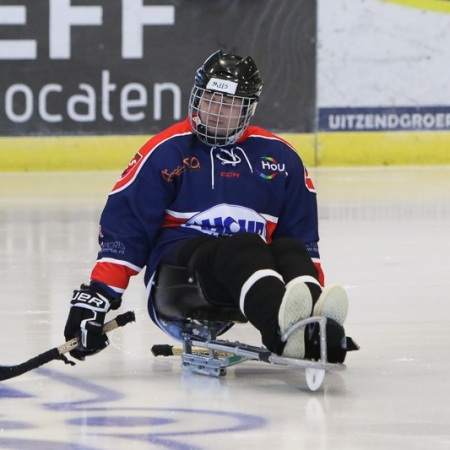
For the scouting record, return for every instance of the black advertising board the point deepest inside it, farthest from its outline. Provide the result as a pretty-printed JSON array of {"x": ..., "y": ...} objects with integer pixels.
[{"x": 102, "y": 67}]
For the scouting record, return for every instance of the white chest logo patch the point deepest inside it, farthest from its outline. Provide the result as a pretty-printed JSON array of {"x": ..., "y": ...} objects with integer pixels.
[{"x": 229, "y": 219}]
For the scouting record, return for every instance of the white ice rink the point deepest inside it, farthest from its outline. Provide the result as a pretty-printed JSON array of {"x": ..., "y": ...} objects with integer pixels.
[{"x": 385, "y": 235}]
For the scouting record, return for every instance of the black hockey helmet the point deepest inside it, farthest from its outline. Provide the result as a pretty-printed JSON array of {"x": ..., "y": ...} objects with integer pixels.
[
  {"x": 230, "y": 81},
  {"x": 226, "y": 66}
]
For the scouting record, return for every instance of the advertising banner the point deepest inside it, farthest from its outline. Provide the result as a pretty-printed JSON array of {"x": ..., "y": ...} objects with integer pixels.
[
  {"x": 385, "y": 119},
  {"x": 108, "y": 67}
]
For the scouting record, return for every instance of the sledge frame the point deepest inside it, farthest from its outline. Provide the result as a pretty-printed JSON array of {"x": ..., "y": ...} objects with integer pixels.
[
  {"x": 222, "y": 354},
  {"x": 203, "y": 353}
]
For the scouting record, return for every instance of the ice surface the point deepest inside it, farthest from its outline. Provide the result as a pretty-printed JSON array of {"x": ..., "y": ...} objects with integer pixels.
[{"x": 385, "y": 235}]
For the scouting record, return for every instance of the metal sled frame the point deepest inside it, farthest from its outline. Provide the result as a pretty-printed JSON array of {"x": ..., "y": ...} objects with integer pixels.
[
  {"x": 223, "y": 354},
  {"x": 178, "y": 296}
]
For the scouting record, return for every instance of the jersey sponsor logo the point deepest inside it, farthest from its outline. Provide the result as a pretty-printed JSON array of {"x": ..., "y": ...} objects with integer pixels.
[
  {"x": 115, "y": 247},
  {"x": 230, "y": 174},
  {"x": 270, "y": 168},
  {"x": 169, "y": 176},
  {"x": 191, "y": 163},
  {"x": 228, "y": 219}
]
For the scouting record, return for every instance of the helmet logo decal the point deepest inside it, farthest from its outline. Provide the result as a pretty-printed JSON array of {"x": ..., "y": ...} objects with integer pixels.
[
  {"x": 216, "y": 84},
  {"x": 270, "y": 168}
]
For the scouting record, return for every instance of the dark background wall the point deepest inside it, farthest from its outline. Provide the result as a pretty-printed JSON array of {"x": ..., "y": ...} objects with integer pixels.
[{"x": 98, "y": 67}]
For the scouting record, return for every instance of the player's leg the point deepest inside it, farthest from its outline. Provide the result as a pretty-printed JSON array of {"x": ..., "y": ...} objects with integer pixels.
[
  {"x": 240, "y": 270},
  {"x": 295, "y": 265}
]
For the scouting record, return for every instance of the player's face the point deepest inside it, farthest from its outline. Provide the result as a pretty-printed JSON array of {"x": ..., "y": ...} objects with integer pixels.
[{"x": 220, "y": 113}]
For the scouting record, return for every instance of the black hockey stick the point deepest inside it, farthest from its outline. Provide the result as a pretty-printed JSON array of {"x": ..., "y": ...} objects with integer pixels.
[{"x": 7, "y": 372}]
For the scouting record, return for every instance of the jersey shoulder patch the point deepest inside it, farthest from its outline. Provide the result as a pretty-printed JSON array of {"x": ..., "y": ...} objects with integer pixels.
[{"x": 135, "y": 165}]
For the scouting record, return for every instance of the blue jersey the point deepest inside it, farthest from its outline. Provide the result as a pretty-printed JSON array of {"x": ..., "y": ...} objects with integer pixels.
[{"x": 177, "y": 187}]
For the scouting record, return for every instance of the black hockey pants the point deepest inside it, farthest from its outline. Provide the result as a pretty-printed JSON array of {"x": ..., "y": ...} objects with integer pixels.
[{"x": 225, "y": 267}]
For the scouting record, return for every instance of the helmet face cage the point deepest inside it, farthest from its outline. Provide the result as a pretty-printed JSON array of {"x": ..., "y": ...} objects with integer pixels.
[
  {"x": 224, "y": 98},
  {"x": 217, "y": 118}
]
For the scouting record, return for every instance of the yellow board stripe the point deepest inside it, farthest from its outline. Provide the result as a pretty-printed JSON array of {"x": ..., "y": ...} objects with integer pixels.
[
  {"x": 68, "y": 152},
  {"x": 377, "y": 149},
  {"x": 84, "y": 153},
  {"x": 431, "y": 5},
  {"x": 324, "y": 149}
]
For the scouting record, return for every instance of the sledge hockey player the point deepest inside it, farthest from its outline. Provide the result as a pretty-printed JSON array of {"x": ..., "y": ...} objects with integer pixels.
[{"x": 232, "y": 201}]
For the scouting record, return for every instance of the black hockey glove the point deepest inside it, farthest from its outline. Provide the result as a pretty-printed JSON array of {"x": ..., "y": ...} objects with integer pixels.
[{"x": 86, "y": 319}]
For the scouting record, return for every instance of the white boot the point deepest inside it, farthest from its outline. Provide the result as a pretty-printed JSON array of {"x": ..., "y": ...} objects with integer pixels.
[
  {"x": 332, "y": 303},
  {"x": 295, "y": 306}
]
